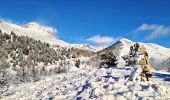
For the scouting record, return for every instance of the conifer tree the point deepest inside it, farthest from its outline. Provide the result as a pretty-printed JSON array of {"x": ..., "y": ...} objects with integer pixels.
[{"x": 130, "y": 59}]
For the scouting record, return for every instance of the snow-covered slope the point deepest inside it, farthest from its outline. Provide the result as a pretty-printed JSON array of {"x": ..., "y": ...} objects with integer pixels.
[
  {"x": 93, "y": 84},
  {"x": 87, "y": 81},
  {"x": 84, "y": 47},
  {"x": 33, "y": 30},
  {"x": 122, "y": 48},
  {"x": 88, "y": 47},
  {"x": 156, "y": 51},
  {"x": 41, "y": 32}
]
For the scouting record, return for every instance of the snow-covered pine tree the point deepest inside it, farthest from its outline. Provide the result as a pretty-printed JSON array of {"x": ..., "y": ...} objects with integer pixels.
[
  {"x": 130, "y": 59},
  {"x": 108, "y": 59}
]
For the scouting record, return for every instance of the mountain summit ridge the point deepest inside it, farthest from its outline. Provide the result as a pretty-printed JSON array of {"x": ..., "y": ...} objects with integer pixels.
[
  {"x": 47, "y": 34},
  {"x": 122, "y": 47},
  {"x": 39, "y": 27},
  {"x": 33, "y": 30}
]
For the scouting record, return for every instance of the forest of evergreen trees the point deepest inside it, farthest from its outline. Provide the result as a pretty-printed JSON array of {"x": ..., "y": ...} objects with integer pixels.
[{"x": 20, "y": 57}]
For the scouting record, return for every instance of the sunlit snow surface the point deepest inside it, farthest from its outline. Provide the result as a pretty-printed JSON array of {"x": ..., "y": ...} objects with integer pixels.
[
  {"x": 90, "y": 82},
  {"x": 93, "y": 83}
]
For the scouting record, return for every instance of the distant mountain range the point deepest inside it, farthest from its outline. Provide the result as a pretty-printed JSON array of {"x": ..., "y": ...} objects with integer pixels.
[{"x": 46, "y": 34}]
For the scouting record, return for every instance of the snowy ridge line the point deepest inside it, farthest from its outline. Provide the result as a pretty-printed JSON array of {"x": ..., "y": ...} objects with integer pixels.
[
  {"x": 156, "y": 52},
  {"x": 39, "y": 32},
  {"x": 43, "y": 33}
]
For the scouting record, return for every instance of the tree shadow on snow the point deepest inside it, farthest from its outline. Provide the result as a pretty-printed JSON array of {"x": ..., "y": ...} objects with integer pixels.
[
  {"x": 116, "y": 78},
  {"x": 165, "y": 77},
  {"x": 109, "y": 76},
  {"x": 123, "y": 68},
  {"x": 84, "y": 87}
]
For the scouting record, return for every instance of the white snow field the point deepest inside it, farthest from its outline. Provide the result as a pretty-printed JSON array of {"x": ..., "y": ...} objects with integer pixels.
[{"x": 95, "y": 84}]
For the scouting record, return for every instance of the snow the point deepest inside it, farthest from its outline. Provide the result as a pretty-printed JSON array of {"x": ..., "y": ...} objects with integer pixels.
[
  {"x": 88, "y": 47},
  {"x": 89, "y": 81},
  {"x": 46, "y": 34},
  {"x": 93, "y": 83},
  {"x": 135, "y": 73},
  {"x": 155, "y": 51},
  {"x": 43, "y": 33},
  {"x": 42, "y": 28},
  {"x": 33, "y": 30}
]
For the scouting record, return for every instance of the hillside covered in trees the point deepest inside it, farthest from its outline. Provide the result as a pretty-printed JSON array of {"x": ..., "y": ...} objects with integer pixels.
[{"x": 22, "y": 59}]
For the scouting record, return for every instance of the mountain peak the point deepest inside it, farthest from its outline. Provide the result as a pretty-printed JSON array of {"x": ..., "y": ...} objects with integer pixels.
[
  {"x": 33, "y": 30},
  {"x": 39, "y": 27},
  {"x": 122, "y": 41},
  {"x": 125, "y": 40}
]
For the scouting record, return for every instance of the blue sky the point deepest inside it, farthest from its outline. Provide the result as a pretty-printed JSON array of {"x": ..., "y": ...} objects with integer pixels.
[{"x": 96, "y": 22}]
